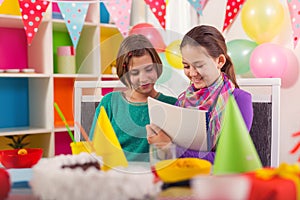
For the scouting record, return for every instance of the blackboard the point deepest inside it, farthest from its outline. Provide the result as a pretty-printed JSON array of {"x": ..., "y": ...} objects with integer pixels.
[{"x": 261, "y": 130}]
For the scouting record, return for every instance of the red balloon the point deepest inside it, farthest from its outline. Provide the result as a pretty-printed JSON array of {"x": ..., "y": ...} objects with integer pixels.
[
  {"x": 4, "y": 183},
  {"x": 151, "y": 33}
]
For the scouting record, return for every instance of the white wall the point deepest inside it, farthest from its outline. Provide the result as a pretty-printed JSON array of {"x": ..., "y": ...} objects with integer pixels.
[{"x": 181, "y": 17}]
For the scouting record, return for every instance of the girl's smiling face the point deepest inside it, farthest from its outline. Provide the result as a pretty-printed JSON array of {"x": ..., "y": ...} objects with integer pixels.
[
  {"x": 200, "y": 67},
  {"x": 142, "y": 73}
]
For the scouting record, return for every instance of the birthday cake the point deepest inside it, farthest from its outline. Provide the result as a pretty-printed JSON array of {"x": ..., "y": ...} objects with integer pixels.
[{"x": 80, "y": 177}]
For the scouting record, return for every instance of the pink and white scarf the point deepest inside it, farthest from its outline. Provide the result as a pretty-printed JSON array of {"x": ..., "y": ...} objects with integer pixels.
[{"x": 212, "y": 99}]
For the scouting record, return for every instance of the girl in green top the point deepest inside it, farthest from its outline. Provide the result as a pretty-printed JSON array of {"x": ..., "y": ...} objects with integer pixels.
[{"x": 138, "y": 67}]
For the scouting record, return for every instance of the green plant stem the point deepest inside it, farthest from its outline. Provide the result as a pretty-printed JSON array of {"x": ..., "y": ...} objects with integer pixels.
[{"x": 64, "y": 121}]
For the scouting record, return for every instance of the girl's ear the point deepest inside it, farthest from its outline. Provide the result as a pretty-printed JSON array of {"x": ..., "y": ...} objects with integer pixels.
[{"x": 221, "y": 61}]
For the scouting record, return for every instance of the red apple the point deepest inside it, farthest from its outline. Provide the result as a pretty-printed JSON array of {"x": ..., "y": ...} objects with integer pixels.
[{"x": 4, "y": 183}]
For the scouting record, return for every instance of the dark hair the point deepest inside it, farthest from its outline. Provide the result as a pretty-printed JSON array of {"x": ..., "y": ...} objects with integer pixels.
[
  {"x": 135, "y": 46},
  {"x": 213, "y": 41}
]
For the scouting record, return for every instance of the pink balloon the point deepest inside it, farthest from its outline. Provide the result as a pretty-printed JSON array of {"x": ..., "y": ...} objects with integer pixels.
[
  {"x": 151, "y": 33},
  {"x": 291, "y": 73},
  {"x": 268, "y": 61}
]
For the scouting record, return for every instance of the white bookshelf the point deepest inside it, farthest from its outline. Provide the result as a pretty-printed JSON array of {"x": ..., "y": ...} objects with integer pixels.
[{"x": 46, "y": 86}]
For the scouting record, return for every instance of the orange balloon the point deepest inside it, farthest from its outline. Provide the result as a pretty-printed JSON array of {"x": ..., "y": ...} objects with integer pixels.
[{"x": 151, "y": 33}]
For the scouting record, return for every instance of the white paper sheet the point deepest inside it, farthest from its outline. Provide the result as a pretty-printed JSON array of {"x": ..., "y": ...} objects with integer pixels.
[{"x": 186, "y": 127}]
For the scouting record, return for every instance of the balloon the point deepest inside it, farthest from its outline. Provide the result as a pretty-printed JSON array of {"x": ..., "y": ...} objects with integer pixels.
[
  {"x": 291, "y": 73},
  {"x": 151, "y": 33},
  {"x": 173, "y": 54},
  {"x": 240, "y": 51},
  {"x": 167, "y": 70},
  {"x": 262, "y": 19},
  {"x": 268, "y": 61}
]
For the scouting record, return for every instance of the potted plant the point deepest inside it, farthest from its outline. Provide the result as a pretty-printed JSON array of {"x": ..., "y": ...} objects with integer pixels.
[
  {"x": 20, "y": 156},
  {"x": 17, "y": 141}
]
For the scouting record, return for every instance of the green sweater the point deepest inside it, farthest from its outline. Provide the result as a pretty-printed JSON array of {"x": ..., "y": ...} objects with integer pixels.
[{"x": 128, "y": 121}]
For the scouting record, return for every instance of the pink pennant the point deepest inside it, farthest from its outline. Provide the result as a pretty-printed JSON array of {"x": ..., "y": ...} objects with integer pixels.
[
  {"x": 232, "y": 9},
  {"x": 294, "y": 8},
  {"x": 1, "y": 2},
  {"x": 158, "y": 7},
  {"x": 32, "y": 15},
  {"x": 120, "y": 12}
]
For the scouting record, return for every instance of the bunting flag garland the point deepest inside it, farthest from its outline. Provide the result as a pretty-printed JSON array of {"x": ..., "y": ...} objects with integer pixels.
[
  {"x": 294, "y": 8},
  {"x": 74, "y": 15},
  {"x": 198, "y": 5},
  {"x": 120, "y": 12},
  {"x": 158, "y": 8},
  {"x": 32, "y": 14},
  {"x": 232, "y": 9}
]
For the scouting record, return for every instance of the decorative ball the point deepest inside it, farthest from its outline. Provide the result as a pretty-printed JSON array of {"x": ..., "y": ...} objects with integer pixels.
[{"x": 4, "y": 183}]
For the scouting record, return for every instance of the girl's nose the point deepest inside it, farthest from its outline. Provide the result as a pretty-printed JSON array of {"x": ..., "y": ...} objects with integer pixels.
[
  {"x": 143, "y": 76},
  {"x": 193, "y": 71}
]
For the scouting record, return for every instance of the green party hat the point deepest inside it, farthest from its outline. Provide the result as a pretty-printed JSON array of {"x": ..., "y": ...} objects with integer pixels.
[{"x": 235, "y": 152}]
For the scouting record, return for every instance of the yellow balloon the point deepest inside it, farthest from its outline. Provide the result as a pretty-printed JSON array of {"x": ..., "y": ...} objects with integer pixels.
[
  {"x": 173, "y": 54},
  {"x": 262, "y": 19}
]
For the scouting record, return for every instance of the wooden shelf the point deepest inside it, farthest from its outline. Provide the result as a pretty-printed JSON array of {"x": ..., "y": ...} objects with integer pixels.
[
  {"x": 11, "y": 21},
  {"x": 24, "y": 75},
  {"x": 23, "y": 130}
]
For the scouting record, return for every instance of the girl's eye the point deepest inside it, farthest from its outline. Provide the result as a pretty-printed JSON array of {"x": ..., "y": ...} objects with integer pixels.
[
  {"x": 186, "y": 66},
  {"x": 199, "y": 66},
  {"x": 134, "y": 72},
  {"x": 149, "y": 69}
]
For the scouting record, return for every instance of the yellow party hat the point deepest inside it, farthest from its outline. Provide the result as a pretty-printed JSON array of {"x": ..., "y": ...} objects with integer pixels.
[
  {"x": 107, "y": 144},
  {"x": 235, "y": 152}
]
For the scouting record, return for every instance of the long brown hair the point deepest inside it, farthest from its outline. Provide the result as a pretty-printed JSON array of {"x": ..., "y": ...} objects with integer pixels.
[
  {"x": 135, "y": 46},
  {"x": 213, "y": 41}
]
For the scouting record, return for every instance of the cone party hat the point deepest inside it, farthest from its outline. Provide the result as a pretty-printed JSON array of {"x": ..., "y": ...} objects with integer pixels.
[
  {"x": 235, "y": 152},
  {"x": 107, "y": 144}
]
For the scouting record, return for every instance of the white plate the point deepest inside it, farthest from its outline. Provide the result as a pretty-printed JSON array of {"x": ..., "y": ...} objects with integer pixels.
[
  {"x": 28, "y": 70},
  {"x": 12, "y": 70}
]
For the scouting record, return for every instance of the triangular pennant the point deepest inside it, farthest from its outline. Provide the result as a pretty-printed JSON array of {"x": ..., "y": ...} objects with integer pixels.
[
  {"x": 198, "y": 5},
  {"x": 294, "y": 8},
  {"x": 107, "y": 144},
  {"x": 32, "y": 15},
  {"x": 1, "y": 2},
  {"x": 235, "y": 152},
  {"x": 74, "y": 15},
  {"x": 232, "y": 9},
  {"x": 158, "y": 8},
  {"x": 120, "y": 12},
  {"x": 10, "y": 7}
]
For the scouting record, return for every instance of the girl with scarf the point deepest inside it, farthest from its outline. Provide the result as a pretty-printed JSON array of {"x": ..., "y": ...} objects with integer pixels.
[{"x": 210, "y": 70}]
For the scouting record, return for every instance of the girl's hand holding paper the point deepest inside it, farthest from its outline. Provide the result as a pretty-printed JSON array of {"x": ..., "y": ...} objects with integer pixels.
[{"x": 157, "y": 136}]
